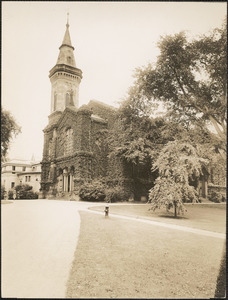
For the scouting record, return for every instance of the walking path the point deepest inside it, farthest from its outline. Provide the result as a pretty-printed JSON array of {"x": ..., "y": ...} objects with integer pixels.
[
  {"x": 39, "y": 239},
  {"x": 171, "y": 226}
]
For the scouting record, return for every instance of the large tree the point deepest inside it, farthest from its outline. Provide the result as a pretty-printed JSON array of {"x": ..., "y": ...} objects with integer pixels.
[
  {"x": 178, "y": 163},
  {"x": 139, "y": 138},
  {"x": 9, "y": 128},
  {"x": 189, "y": 77}
]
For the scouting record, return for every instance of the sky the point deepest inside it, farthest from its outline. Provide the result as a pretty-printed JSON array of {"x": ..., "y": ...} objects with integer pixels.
[{"x": 111, "y": 40}]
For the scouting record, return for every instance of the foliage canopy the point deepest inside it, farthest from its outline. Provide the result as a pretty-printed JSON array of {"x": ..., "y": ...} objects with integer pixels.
[
  {"x": 9, "y": 128},
  {"x": 178, "y": 163},
  {"x": 189, "y": 78}
]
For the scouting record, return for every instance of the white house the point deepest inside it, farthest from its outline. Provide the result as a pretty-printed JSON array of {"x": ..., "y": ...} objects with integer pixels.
[{"x": 15, "y": 172}]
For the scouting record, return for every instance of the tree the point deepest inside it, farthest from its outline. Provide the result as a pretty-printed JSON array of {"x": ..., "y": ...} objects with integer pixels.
[
  {"x": 189, "y": 77},
  {"x": 9, "y": 128},
  {"x": 177, "y": 164},
  {"x": 139, "y": 138}
]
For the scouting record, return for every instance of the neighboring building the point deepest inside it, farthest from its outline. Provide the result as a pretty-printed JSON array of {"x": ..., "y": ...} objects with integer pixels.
[{"x": 15, "y": 172}]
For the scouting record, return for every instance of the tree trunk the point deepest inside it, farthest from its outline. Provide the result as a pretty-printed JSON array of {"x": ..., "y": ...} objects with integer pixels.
[{"x": 175, "y": 209}]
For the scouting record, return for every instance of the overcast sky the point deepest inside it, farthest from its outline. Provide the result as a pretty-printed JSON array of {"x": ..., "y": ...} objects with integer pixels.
[{"x": 111, "y": 39}]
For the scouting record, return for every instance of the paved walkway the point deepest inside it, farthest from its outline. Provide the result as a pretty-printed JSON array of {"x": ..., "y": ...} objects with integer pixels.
[{"x": 39, "y": 239}]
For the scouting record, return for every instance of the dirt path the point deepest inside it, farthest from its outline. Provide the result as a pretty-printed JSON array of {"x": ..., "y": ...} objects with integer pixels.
[{"x": 38, "y": 243}]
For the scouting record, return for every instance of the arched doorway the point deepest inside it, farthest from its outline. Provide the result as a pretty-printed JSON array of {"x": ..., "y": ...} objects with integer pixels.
[{"x": 68, "y": 179}]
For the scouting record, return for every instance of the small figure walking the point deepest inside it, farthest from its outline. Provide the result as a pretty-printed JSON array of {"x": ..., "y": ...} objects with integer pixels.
[{"x": 14, "y": 195}]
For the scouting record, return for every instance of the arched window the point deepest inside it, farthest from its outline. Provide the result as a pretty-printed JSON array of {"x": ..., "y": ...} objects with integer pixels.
[
  {"x": 50, "y": 147},
  {"x": 68, "y": 145},
  {"x": 55, "y": 102},
  {"x": 71, "y": 98},
  {"x": 72, "y": 170}
]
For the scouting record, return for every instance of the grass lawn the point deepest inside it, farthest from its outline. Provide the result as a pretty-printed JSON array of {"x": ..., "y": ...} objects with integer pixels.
[
  {"x": 117, "y": 258},
  {"x": 210, "y": 217},
  {"x": 220, "y": 291}
]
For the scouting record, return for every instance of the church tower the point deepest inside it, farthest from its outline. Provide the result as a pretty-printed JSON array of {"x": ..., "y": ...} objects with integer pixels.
[{"x": 65, "y": 77}]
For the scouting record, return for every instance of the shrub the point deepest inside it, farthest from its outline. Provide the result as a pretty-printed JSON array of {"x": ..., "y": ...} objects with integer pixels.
[
  {"x": 115, "y": 194},
  {"x": 31, "y": 195},
  {"x": 2, "y": 192},
  {"x": 94, "y": 191},
  {"x": 24, "y": 191},
  {"x": 216, "y": 197},
  {"x": 10, "y": 194}
]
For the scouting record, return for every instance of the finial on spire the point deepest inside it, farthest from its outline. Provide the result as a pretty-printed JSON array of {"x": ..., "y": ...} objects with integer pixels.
[{"x": 67, "y": 25}]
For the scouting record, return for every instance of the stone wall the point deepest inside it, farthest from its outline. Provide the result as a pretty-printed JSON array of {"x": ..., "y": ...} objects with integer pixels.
[
  {"x": 87, "y": 156},
  {"x": 99, "y": 149}
]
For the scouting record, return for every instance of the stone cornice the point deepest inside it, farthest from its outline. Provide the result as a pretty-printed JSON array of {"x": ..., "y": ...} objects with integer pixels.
[
  {"x": 65, "y": 68},
  {"x": 66, "y": 45},
  {"x": 49, "y": 128},
  {"x": 30, "y": 173},
  {"x": 75, "y": 154}
]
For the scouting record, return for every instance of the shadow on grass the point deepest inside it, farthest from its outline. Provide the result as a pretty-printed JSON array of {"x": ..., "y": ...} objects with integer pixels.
[
  {"x": 173, "y": 217},
  {"x": 220, "y": 291}
]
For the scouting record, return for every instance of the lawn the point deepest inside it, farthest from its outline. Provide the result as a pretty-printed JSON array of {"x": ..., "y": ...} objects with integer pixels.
[
  {"x": 117, "y": 258},
  {"x": 210, "y": 217}
]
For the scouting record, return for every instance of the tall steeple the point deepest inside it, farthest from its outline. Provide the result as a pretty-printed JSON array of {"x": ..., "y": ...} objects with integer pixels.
[
  {"x": 66, "y": 55},
  {"x": 65, "y": 77},
  {"x": 66, "y": 39}
]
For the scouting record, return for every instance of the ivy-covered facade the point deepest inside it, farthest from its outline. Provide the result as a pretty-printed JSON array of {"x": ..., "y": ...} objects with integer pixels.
[{"x": 75, "y": 149}]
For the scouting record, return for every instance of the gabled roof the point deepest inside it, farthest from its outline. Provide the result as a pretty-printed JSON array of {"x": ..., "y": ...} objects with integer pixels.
[{"x": 101, "y": 104}]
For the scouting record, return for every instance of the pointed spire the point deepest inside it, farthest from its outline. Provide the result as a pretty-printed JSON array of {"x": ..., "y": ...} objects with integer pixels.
[
  {"x": 67, "y": 25},
  {"x": 66, "y": 55},
  {"x": 66, "y": 39}
]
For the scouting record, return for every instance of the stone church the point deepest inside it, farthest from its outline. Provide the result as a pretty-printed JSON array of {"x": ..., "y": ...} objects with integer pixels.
[{"x": 74, "y": 150}]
